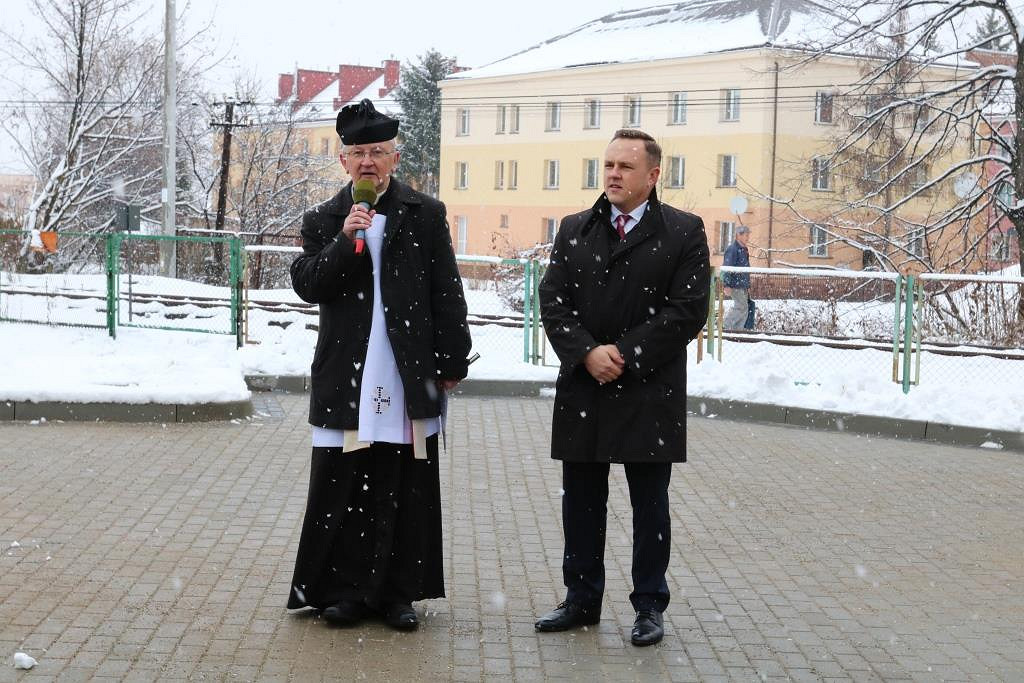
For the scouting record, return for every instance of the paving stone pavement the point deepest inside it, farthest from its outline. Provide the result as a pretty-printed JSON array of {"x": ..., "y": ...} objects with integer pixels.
[{"x": 164, "y": 551}]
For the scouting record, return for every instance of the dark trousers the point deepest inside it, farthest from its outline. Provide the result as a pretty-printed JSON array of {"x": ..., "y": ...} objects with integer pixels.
[{"x": 584, "y": 517}]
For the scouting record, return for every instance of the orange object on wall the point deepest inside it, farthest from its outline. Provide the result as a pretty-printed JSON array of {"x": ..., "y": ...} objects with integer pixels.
[{"x": 49, "y": 238}]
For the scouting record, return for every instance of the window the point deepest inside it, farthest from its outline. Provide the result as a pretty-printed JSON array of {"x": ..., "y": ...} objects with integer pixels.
[
  {"x": 592, "y": 114},
  {"x": 676, "y": 172},
  {"x": 821, "y": 174},
  {"x": 503, "y": 221},
  {"x": 922, "y": 118},
  {"x": 1004, "y": 194},
  {"x": 461, "y": 233},
  {"x": 551, "y": 174},
  {"x": 819, "y": 241},
  {"x": 550, "y": 229},
  {"x": 462, "y": 125},
  {"x": 915, "y": 241},
  {"x": 823, "y": 107},
  {"x": 677, "y": 108},
  {"x": 513, "y": 175},
  {"x": 632, "y": 118},
  {"x": 513, "y": 118},
  {"x": 499, "y": 175},
  {"x": 726, "y": 234},
  {"x": 731, "y": 104},
  {"x": 999, "y": 247},
  {"x": 727, "y": 170},
  {"x": 873, "y": 168},
  {"x": 325, "y": 147},
  {"x": 305, "y": 146},
  {"x": 553, "y": 116},
  {"x": 918, "y": 176},
  {"x": 591, "y": 173},
  {"x": 461, "y": 175},
  {"x": 501, "y": 119}
]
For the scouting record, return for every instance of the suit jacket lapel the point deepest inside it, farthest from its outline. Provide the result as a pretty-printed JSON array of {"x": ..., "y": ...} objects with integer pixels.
[{"x": 648, "y": 225}]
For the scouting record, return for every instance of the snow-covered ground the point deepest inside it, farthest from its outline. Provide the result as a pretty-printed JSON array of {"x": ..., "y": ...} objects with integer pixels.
[{"x": 142, "y": 365}]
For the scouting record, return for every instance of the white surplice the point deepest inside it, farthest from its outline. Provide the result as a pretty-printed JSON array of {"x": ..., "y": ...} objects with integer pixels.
[{"x": 382, "y": 412}]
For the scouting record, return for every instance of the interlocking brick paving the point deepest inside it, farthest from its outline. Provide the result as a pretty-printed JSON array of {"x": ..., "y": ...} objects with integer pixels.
[{"x": 149, "y": 552}]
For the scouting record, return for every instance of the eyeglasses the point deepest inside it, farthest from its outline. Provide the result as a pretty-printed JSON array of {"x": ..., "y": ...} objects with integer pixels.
[{"x": 376, "y": 154}]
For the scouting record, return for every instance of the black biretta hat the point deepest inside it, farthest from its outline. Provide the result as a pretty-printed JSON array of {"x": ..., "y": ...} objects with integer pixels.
[{"x": 360, "y": 124}]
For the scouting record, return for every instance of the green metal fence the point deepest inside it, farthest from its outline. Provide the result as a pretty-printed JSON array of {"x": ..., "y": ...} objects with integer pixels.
[
  {"x": 936, "y": 326},
  {"x": 112, "y": 280}
]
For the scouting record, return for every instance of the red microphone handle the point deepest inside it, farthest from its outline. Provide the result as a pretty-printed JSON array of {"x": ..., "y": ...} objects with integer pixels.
[{"x": 359, "y": 245}]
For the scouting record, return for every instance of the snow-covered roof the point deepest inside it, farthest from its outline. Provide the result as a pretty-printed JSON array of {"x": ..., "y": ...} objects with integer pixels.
[
  {"x": 322, "y": 106},
  {"x": 387, "y": 104},
  {"x": 681, "y": 29}
]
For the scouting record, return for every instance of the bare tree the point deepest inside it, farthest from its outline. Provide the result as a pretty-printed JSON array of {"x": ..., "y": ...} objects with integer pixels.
[
  {"x": 929, "y": 152},
  {"x": 90, "y": 124}
]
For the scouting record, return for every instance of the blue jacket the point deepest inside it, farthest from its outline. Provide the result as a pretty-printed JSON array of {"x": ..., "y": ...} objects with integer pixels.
[{"x": 736, "y": 255}]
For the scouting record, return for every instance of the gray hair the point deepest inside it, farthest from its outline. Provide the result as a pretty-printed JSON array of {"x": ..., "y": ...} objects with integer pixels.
[{"x": 393, "y": 141}]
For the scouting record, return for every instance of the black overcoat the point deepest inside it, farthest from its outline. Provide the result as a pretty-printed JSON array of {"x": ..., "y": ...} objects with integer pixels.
[
  {"x": 648, "y": 295},
  {"x": 424, "y": 305}
]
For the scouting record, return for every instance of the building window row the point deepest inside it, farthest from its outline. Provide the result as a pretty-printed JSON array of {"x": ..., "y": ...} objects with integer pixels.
[
  {"x": 506, "y": 173},
  {"x": 508, "y": 115}
]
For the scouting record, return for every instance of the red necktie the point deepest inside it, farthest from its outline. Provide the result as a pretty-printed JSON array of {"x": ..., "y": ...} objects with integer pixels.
[{"x": 620, "y": 224}]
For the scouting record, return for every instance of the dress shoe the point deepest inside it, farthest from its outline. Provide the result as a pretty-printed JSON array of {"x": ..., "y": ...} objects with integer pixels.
[
  {"x": 647, "y": 629},
  {"x": 345, "y": 613},
  {"x": 400, "y": 615},
  {"x": 568, "y": 615}
]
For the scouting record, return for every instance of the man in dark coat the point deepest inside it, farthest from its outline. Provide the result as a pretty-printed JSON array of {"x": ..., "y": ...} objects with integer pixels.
[
  {"x": 392, "y": 340},
  {"x": 626, "y": 290}
]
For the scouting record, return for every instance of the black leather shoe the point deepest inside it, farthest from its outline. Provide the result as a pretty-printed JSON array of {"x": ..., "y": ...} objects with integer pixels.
[
  {"x": 345, "y": 613},
  {"x": 648, "y": 628},
  {"x": 400, "y": 615},
  {"x": 568, "y": 615}
]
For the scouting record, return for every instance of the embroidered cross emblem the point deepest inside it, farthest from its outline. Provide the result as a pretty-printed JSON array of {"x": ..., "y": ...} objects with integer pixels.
[{"x": 383, "y": 402}]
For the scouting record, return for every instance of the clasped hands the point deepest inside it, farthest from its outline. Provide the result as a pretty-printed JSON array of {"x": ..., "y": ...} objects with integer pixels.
[{"x": 604, "y": 363}]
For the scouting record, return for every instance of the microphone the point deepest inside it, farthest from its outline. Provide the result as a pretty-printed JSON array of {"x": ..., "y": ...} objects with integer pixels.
[{"x": 364, "y": 193}]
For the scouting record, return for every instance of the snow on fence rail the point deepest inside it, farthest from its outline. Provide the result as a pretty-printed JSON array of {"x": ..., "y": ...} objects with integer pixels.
[{"x": 959, "y": 325}]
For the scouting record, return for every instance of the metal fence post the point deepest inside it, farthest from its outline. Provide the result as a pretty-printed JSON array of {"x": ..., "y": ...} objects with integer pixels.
[
  {"x": 896, "y": 329},
  {"x": 712, "y": 308},
  {"x": 537, "y": 326},
  {"x": 236, "y": 290},
  {"x": 113, "y": 249},
  {"x": 908, "y": 331},
  {"x": 527, "y": 308}
]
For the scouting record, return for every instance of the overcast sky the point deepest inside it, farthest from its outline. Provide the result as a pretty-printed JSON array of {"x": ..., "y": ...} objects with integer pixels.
[{"x": 268, "y": 38}]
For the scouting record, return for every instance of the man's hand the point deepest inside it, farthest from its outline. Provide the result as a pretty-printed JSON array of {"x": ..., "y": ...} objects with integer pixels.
[
  {"x": 604, "y": 363},
  {"x": 358, "y": 219},
  {"x": 447, "y": 384}
]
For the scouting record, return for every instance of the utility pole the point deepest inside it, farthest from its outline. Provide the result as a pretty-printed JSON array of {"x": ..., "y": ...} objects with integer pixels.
[
  {"x": 228, "y": 124},
  {"x": 168, "y": 266}
]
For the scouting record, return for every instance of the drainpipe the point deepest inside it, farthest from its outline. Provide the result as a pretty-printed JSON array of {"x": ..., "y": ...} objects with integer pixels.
[{"x": 775, "y": 140}]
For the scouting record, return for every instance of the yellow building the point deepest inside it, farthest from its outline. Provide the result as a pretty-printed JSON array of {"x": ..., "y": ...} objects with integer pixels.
[{"x": 522, "y": 139}]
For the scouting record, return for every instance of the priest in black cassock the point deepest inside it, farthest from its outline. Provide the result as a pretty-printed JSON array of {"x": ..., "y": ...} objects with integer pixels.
[{"x": 393, "y": 340}]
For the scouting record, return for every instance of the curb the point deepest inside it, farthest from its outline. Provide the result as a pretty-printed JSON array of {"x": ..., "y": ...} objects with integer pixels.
[
  {"x": 700, "y": 406},
  {"x": 123, "y": 412}
]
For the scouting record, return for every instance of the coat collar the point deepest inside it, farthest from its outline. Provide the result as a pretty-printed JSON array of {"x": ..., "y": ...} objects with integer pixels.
[
  {"x": 399, "y": 197},
  {"x": 650, "y": 224},
  {"x": 397, "y": 193}
]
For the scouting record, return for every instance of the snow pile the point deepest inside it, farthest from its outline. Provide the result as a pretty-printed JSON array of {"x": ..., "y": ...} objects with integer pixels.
[
  {"x": 859, "y": 382},
  {"x": 23, "y": 661},
  {"x": 140, "y": 366}
]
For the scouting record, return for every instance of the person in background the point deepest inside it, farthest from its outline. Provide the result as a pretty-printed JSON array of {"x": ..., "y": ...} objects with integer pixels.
[{"x": 737, "y": 285}]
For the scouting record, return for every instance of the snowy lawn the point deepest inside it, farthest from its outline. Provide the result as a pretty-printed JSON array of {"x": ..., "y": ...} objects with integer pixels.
[{"x": 84, "y": 365}]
